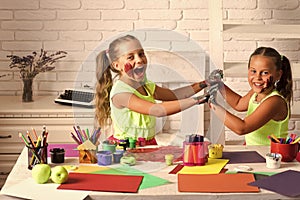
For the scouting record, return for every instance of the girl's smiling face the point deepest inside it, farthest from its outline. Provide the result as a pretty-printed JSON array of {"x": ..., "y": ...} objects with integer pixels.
[
  {"x": 262, "y": 74},
  {"x": 133, "y": 62}
]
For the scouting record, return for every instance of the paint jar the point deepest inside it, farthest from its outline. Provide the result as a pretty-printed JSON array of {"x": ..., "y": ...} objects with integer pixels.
[
  {"x": 287, "y": 151},
  {"x": 57, "y": 155},
  {"x": 142, "y": 141},
  {"x": 117, "y": 155},
  {"x": 132, "y": 143},
  {"x": 37, "y": 155},
  {"x": 169, "y": 159},
  {"x": 215, "y": 150},
  {"x": 104, "y": 157},
  {"x": 273, "y": 160},
  {"x": 109, "y": 147}
]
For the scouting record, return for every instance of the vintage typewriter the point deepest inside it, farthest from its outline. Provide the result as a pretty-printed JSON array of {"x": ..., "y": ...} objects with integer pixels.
[{"x": 76, "y": 97}]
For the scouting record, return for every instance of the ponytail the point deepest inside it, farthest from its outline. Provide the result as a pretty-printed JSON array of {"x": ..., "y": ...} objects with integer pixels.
[
  {"x": 103, "y": 88},
  {"x": 285, "y": 85}
]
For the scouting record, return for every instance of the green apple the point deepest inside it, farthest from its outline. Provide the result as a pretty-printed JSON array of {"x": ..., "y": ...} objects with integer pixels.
[
  {"x": 41, "y": 173},
  {"x": 59, "y": 174}
]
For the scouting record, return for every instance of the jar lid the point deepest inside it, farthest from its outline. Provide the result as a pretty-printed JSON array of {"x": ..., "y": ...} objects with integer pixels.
[{"x": 57, "y": 150}]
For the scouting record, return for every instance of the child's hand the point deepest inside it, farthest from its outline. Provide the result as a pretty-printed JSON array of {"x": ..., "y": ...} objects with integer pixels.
[
  {"x": 215, "y": 76},
  {"x": 202, "y": 99}
]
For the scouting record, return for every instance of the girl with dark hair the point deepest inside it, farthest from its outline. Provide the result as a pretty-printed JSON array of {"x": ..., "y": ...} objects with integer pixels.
[{"x": 267, "y": 103}]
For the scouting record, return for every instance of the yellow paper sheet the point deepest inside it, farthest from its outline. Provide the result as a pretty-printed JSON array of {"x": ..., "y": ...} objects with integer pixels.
[
  {"x": 213, "y": 166},
  {"x": 86, "y": 168}
]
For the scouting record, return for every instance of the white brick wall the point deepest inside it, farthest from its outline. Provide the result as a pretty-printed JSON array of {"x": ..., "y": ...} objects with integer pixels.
[{"x": 79, "y": 26}]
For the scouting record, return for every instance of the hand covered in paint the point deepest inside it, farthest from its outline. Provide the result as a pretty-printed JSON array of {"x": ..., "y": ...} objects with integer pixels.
[
  {"x": 202, "y": 99},
  {"x": 215, "y": 77}
]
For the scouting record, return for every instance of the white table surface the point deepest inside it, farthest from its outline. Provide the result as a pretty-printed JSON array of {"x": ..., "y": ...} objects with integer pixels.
[{"x": 168, "y": 191}]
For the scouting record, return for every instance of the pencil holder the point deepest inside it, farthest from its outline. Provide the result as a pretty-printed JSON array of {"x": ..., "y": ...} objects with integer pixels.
[
  {"x": 37, "y": 155},
  {"x": 195, "y": 153},
  {"x": 288, "y": 151},
  {"x": 87, "y": 156}
]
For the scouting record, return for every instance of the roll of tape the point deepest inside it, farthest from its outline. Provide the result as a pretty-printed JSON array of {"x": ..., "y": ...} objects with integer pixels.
[{"x": 128, "y": 160}]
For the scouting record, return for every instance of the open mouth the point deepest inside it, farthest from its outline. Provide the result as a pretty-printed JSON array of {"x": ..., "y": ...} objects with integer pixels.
[{"x": 139, "y": 71}]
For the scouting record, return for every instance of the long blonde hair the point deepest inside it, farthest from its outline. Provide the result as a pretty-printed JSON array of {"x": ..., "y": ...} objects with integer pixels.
[{"x": 105, "y": 79}]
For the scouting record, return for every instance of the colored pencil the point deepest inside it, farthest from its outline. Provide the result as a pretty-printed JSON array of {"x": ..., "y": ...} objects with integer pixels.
[
  {"x": 34, "y": 132},
  {"x": 88, "y": 133},
  {"x": 296, "y": 141},
  {"x": 24, "y": 139},
  {"x": 31, "y": 141},
  {"x": 78, "y": 134},
  {"x": 75, "y": 138},
  {"x": 275, "y": 138}
]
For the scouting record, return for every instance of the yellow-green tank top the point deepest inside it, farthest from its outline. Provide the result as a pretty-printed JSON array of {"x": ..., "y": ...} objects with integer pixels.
[{"x": 278, "y": 128}]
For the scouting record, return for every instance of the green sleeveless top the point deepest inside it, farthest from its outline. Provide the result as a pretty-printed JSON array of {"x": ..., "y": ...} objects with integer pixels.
[
  {"x": 278, "y": 128},
  {"x": 130, "y": 124}
]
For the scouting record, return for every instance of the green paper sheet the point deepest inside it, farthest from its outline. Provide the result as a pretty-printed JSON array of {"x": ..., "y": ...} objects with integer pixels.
[
  {"x": 261, "y": 173},
  {"x": 148, "y": 180}
]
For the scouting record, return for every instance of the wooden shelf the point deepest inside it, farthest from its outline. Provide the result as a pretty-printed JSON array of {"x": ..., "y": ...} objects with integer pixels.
[{"x": 262, "y": 31}]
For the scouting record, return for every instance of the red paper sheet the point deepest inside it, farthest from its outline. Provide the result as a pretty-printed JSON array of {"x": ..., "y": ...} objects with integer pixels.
[
  {"x": 102, "y": 182},
  {"x": 216, "y": 183}
]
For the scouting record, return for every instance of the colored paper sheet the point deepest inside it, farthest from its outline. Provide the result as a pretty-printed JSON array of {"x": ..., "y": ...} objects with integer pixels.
[
  {"x": 70, "y": 149},
  {"x": 255, "y": 173},
  {"x": 86, "y": 168},
  {"x": 243, "y": 157},
  {"x": 213, "y": 166},
  {"x": 29, "y": 189},
  {"x": 284, "y": 183},
  {"x": 102, "y": 182},
  {"x": 176, "y": 169},
  {"x": 180, "y": 166},
  {"x": 148, "y": 181},
  {"x": 216, "y": 183}
]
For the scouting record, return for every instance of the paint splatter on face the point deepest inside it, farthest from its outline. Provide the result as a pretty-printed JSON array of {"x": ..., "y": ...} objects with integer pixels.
[
  {"x": 268, "y": 84},
  {"x": 128, "y": 67}
]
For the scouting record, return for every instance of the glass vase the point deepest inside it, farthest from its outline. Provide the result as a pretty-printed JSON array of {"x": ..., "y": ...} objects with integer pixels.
[{"x": 27, "y": 90}]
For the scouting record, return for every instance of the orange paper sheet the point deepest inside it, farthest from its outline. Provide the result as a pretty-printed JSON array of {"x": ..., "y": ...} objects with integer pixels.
[
  {"x": 216, "y": 183},
  {"x": 213, "y": 166}
]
